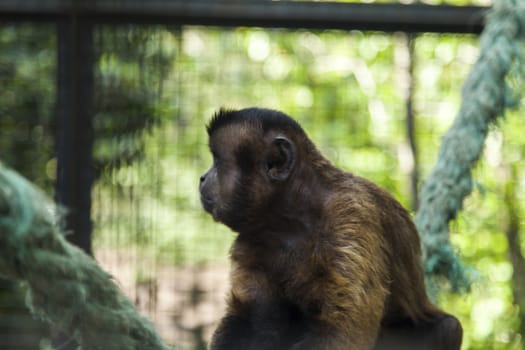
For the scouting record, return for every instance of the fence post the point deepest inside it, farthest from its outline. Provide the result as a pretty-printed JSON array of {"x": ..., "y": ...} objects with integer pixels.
[{"x": 75, "y": 135}]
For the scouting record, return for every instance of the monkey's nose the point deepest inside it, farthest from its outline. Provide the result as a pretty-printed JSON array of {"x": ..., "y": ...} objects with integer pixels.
[{"x": 203, "y": 177}]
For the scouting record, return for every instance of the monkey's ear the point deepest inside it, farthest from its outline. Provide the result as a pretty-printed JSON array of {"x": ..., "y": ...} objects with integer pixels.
[{"x": 281, "y": 159}]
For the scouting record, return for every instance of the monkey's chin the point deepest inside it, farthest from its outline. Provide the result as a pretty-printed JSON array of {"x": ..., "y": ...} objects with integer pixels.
[
  {"x": 208, "y": 205},
  {"x": 211, "y": 208}
]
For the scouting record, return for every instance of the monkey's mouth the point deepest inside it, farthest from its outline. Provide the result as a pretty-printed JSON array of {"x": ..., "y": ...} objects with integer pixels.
[{"x": 207, "y": 204}]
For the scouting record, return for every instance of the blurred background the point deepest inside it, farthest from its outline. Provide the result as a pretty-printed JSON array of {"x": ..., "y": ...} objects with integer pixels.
[{"x": 107, "y": 112}]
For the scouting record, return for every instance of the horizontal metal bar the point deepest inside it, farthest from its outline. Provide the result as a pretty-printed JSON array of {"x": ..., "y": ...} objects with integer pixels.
[{"x": 262, "y": 13}]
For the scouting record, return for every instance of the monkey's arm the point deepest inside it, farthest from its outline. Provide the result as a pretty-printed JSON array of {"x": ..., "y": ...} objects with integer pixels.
[
  {"x": 254, "y": 319},
  {"x": 351, "y": 294},
  {"x": 347, "y": 320},
  {"x": 233, "y": 332},
  {"x": 262, "y": 327}
]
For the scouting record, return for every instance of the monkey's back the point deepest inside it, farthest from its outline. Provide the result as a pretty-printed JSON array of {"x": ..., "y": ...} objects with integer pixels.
[{"x": 374, "y": 218}]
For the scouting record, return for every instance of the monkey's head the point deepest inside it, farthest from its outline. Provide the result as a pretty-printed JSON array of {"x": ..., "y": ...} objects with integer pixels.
[{"x": 255, "y": 156}]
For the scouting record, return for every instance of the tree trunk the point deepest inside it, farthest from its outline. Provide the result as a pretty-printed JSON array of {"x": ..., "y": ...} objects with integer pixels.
[{"x": 512, "y": 231}]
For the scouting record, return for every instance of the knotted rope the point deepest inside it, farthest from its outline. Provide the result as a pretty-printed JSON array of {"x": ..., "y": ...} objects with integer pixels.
[
  {"x": 485, "y": 95},
  {"x": 66, "y": 287}
]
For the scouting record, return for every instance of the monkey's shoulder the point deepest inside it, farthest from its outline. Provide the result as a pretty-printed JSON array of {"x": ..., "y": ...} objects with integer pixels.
[
  {"x": 353, "y": 193},
  {"x": 360, "y": 202}
]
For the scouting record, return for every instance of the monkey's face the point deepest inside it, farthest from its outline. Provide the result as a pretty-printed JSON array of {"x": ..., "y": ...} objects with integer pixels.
[{"x": 249, "y": 165}]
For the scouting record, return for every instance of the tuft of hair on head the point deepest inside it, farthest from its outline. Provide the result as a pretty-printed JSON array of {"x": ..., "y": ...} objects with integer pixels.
[
  {"x": 268, "y": 119},
  {"x": 218, "y": 119}
]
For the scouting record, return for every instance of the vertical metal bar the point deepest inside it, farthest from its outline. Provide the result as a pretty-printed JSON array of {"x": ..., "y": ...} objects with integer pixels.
[
  {"x": 410, "y": 122},
  {"x": 74, "y": 139}
]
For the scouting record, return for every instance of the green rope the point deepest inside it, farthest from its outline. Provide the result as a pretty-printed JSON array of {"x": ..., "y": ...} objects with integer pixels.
[
  {"x": 66, "y": 287},
  {"x": 485, "y": 96}
]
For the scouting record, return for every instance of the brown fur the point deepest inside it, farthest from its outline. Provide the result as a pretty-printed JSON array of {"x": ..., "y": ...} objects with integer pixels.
[{"x": 323, "y": 259}]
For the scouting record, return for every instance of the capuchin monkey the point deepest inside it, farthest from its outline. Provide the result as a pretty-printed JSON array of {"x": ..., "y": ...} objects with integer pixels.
[{"x": 323, "y": 259}]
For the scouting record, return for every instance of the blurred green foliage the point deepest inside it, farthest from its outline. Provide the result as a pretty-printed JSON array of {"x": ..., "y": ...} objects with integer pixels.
[
  {"x": 27, "y": 97},
  {"x": 156, "y": 87}
]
